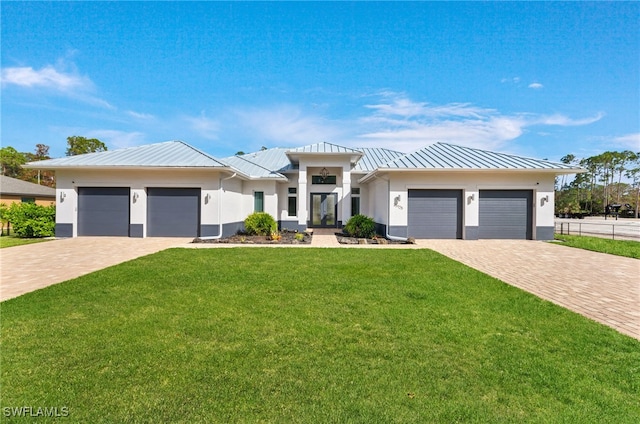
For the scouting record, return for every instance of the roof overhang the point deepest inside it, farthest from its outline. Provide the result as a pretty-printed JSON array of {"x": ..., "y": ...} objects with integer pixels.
[{"x": 354, "y": 156}]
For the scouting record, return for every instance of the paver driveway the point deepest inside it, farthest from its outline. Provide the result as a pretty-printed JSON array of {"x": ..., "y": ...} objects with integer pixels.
[
  {"x": 30, "y": 267},
  {"x": 603, "y": 287}
]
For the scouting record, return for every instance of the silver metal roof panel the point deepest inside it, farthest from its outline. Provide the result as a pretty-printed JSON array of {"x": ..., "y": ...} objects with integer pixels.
[
  {"x": 324, "y": 148},
  {"x": 374, "y": 158},
  {"x": 251, "y": 169},
  {"x": 450, "y": 156},
  {"x": 170, "y": 154}
]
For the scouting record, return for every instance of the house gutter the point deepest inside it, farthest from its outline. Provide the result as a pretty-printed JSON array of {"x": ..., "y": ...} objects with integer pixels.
[
  {"x": 387, "y": 235},
  {"x": 220, "y": 190}
]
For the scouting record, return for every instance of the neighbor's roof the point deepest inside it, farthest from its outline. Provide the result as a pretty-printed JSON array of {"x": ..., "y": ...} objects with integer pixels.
[
  {"x": 13, "y": 186},
  {"x": 170, "y": 154},
  {"x": 450, "y": 156}
]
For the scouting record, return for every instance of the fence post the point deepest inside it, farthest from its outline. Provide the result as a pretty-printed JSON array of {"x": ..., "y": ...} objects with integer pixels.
[{"x": 613, "y": 232}]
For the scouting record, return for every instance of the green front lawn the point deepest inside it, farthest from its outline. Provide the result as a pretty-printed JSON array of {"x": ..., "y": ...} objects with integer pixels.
[
  {"x": 628, "y": 248},
  {"x": 310, "y": 336},
  {"x": 10, "y": 241}
]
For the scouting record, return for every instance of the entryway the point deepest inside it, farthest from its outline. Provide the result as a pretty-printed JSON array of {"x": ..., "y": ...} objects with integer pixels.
[{"x": 324, "y": 210}]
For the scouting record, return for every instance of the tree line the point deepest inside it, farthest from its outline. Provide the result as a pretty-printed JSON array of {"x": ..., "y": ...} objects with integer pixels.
[
  {"x": 611, "y": 178},
  {"x": 12, "y": 161}
]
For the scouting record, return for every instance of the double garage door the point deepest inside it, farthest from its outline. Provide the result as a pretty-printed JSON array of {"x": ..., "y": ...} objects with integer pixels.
[
  {"x": 438, "y": 214},
  {"x": 171, "y": 212}
]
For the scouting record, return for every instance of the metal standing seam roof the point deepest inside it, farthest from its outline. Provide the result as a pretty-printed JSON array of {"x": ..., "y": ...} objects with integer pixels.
[
  {"x": 375, "y": 157},
  {"x": 324, "y": 147},
  {"x": 14, "y": 186},
  {"x": 450, "y": 156},
  {"x": 170, "y": 154},
  {"x": 274, "y": 159},
  {"x": 251, "y": 169}
]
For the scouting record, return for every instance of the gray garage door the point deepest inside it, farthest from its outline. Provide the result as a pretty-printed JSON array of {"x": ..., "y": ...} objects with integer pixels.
[
  {"x": 103, "y": 211},
  {"x": 435, "y": 214},
  {"x": 505, "y": 214},
  {"x": 173, "y": 212}
]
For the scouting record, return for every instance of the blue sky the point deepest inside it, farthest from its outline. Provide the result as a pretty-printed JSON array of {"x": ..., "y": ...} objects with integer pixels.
[{"x": 539, "y": 79}]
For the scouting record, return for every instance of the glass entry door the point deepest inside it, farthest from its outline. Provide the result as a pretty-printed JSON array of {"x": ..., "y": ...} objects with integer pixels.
[{"x": 324, "y": 209}]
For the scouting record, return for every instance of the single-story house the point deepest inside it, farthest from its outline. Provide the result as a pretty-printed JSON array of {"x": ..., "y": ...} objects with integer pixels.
[
  {"x": 13, "y": 190},
  {"x": 174, "y": 189}
]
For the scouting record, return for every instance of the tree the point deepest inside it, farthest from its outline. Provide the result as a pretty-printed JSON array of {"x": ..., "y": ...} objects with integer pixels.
[
  {"x": 39, "y": 176},
  {"x": 77, "y": 145},
  {"x": 12, "y": 162}
]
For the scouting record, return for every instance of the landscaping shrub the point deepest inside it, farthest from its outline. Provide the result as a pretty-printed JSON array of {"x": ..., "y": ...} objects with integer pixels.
[
  {"x": 360, "y": 226},
  {"x": 260, "y": 223},
  {"x": 31, "y": 220}
]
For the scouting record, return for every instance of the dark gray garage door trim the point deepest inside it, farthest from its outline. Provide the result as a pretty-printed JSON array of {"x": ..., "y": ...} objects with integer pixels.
[{"x": 435, "y": 213}]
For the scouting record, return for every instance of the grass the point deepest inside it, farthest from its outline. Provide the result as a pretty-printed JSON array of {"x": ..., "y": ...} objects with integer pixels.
[
  {"x": 10, "y": 241},
  {"x": 627, "y": 248},
  {"x": 310, "y": 335}
]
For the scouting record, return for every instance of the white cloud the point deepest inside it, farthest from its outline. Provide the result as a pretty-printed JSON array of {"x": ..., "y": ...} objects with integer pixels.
[
  {"x": 512, "y": 80},
  {"x": 47, "y": 77},
  {"x": 205, "y": 127},
  {"x": 629, "y": 141},
  {"x": 289, "y": 125},
  {"x": 141, "y": 116},
  {"x": 565, "y": 121},
  {"x": 402, "y": 124},
  {"x": 115, "y": 139},
  {"x": 536, "y": 85},
  {"x": 63, "y": 79}
]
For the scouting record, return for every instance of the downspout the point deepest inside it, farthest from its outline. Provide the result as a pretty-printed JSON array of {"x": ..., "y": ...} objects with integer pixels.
[
  {"x": 220, "y": 190},
  {"x": 387, "y": 235}
]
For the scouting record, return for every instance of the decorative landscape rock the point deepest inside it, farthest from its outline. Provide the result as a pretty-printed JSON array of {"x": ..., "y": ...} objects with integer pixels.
[{"x": 286, "y": 237}]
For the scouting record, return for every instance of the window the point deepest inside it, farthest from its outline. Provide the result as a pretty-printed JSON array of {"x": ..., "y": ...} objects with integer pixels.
[
  {"x": 258, "y": 201},
  {"x": 28, "y": 200},
  {"x": 318, "y": 179},
  {"x": 292, "y": 209},
  {"x": 355, "y": 201}
]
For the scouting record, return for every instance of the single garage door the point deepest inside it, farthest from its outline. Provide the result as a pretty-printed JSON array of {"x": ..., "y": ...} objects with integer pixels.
[
  {"x": 103, "y": 211},
  {"x": 505, "y": 214},
  {"x": 173, "y": 212},
  {"x": 435, "y": 214}
]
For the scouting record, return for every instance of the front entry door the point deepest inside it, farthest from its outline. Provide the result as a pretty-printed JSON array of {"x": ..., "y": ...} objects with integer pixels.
[{"x": 324, "y": 210}]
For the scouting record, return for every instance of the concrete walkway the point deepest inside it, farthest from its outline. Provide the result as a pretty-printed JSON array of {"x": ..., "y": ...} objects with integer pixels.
[
  {"x": 31, "y": 267},
  {"x": 602, "y": 287}
]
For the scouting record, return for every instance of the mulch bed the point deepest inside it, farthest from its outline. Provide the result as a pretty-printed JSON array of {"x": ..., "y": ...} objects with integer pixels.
[
  {"x": 345, "y": 239},
  {"x": 286, "y": 237}
]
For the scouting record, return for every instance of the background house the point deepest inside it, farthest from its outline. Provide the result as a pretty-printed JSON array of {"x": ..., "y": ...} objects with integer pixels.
[{"x": 14, "y": 191}]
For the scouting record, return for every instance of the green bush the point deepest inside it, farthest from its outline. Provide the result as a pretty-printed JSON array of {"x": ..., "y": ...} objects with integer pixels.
[
  {"x": 360, "y": 226},
  {"x": 260, "y": 223},
  {"x": 31, "y": 220}
]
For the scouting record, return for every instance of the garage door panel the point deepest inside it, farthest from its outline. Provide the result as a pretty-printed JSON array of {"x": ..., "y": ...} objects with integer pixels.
[
  {"x": 103, "y": 211},
  {"x": 173, "y": 212},
  {"x": 505, "y": 214},
  {"x": 435, "y": 214}
]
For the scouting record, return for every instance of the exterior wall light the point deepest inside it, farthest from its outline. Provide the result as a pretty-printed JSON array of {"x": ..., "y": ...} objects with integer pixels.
[
  {"x": 544, "y": 200},
  {"x": 62, "y": 196},
  {"x": 135, "y": 197}
]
